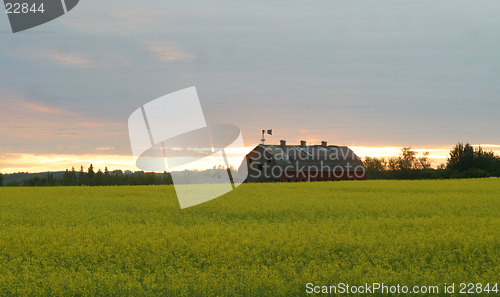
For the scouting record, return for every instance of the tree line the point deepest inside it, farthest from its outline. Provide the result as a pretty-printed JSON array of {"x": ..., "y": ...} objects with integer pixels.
[
  {"x": 92, "y": 178},
  {"x": 464, "y": 161}
]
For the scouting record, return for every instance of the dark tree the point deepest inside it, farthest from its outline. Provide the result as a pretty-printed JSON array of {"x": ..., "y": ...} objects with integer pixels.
[
  {"x": 107, "y": 177},
  {"x": 81, "y": 174},
  {"x": 99, "y": 178},
  {"x": 73, "y": 174},
  {"x": 66, "y": 180},
  {"x": 423, "y": 162},
  {"x": 393, "y": 163},
  {"x": 374, "y": 164},
  {"x": 91, "y": 172},
  {"x": 1, "y": 179},
  {"x": 461, "y": 158},
  {"x": 474, "y": 162},
  {"x": 407, "y": 161}
]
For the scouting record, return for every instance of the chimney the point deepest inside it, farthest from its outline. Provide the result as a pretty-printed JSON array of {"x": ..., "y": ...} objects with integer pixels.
[
  {"x": 283, "y": 142},
  {"x": 324, "y": 143},
  {"x": 303, "y": 143}
]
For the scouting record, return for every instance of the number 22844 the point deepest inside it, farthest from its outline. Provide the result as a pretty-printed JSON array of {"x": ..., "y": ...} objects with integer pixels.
[
  {"x": 24, "y": 8},
  {"x": 478, "y": 288}
]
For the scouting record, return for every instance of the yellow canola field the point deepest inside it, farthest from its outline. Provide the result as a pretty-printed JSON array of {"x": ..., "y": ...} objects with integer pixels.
[{"x": 259, "y": 240}]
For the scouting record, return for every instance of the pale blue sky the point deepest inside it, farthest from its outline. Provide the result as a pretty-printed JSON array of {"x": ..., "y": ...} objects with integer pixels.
[{"x": 385, "y": 73}]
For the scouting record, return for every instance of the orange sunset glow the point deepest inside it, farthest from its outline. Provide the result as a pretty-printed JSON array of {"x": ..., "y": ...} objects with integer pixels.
[{"x": 16, "y": 162}]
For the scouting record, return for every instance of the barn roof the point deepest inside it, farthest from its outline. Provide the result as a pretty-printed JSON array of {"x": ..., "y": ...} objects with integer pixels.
[{"x": 312, "y": 155}]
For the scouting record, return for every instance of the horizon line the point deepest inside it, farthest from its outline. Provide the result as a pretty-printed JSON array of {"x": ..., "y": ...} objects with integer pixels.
[{"x": 41, "y": 163}]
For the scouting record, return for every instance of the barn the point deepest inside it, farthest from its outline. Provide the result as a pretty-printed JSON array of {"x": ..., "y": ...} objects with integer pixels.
[{"x": 301, "y": 163}]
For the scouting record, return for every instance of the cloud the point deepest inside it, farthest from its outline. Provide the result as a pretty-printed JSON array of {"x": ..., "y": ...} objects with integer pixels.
[
  {"x": 39, "y": 127},
  {"x": 91, "y": 124},
  {"x": 60, "y": 57},
  {"x": 104, "y": 148},
  {"x": 16, "y": 162},
  {"x": 32, "y": 106},
  {"x": 31, "y": 162},
  {"x": 71, "y": 59},
  {"x": 170, "y": 53}
]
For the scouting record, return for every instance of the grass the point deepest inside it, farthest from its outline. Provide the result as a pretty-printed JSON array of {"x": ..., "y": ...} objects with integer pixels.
[{"x": 260, "y": 240}]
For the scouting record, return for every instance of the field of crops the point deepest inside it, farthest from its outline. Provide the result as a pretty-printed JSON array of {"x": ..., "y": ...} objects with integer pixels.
[{"x": 260, "y": 240}]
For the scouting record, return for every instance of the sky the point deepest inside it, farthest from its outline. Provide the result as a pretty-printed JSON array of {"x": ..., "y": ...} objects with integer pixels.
[{"x": 376, "y": 76}]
